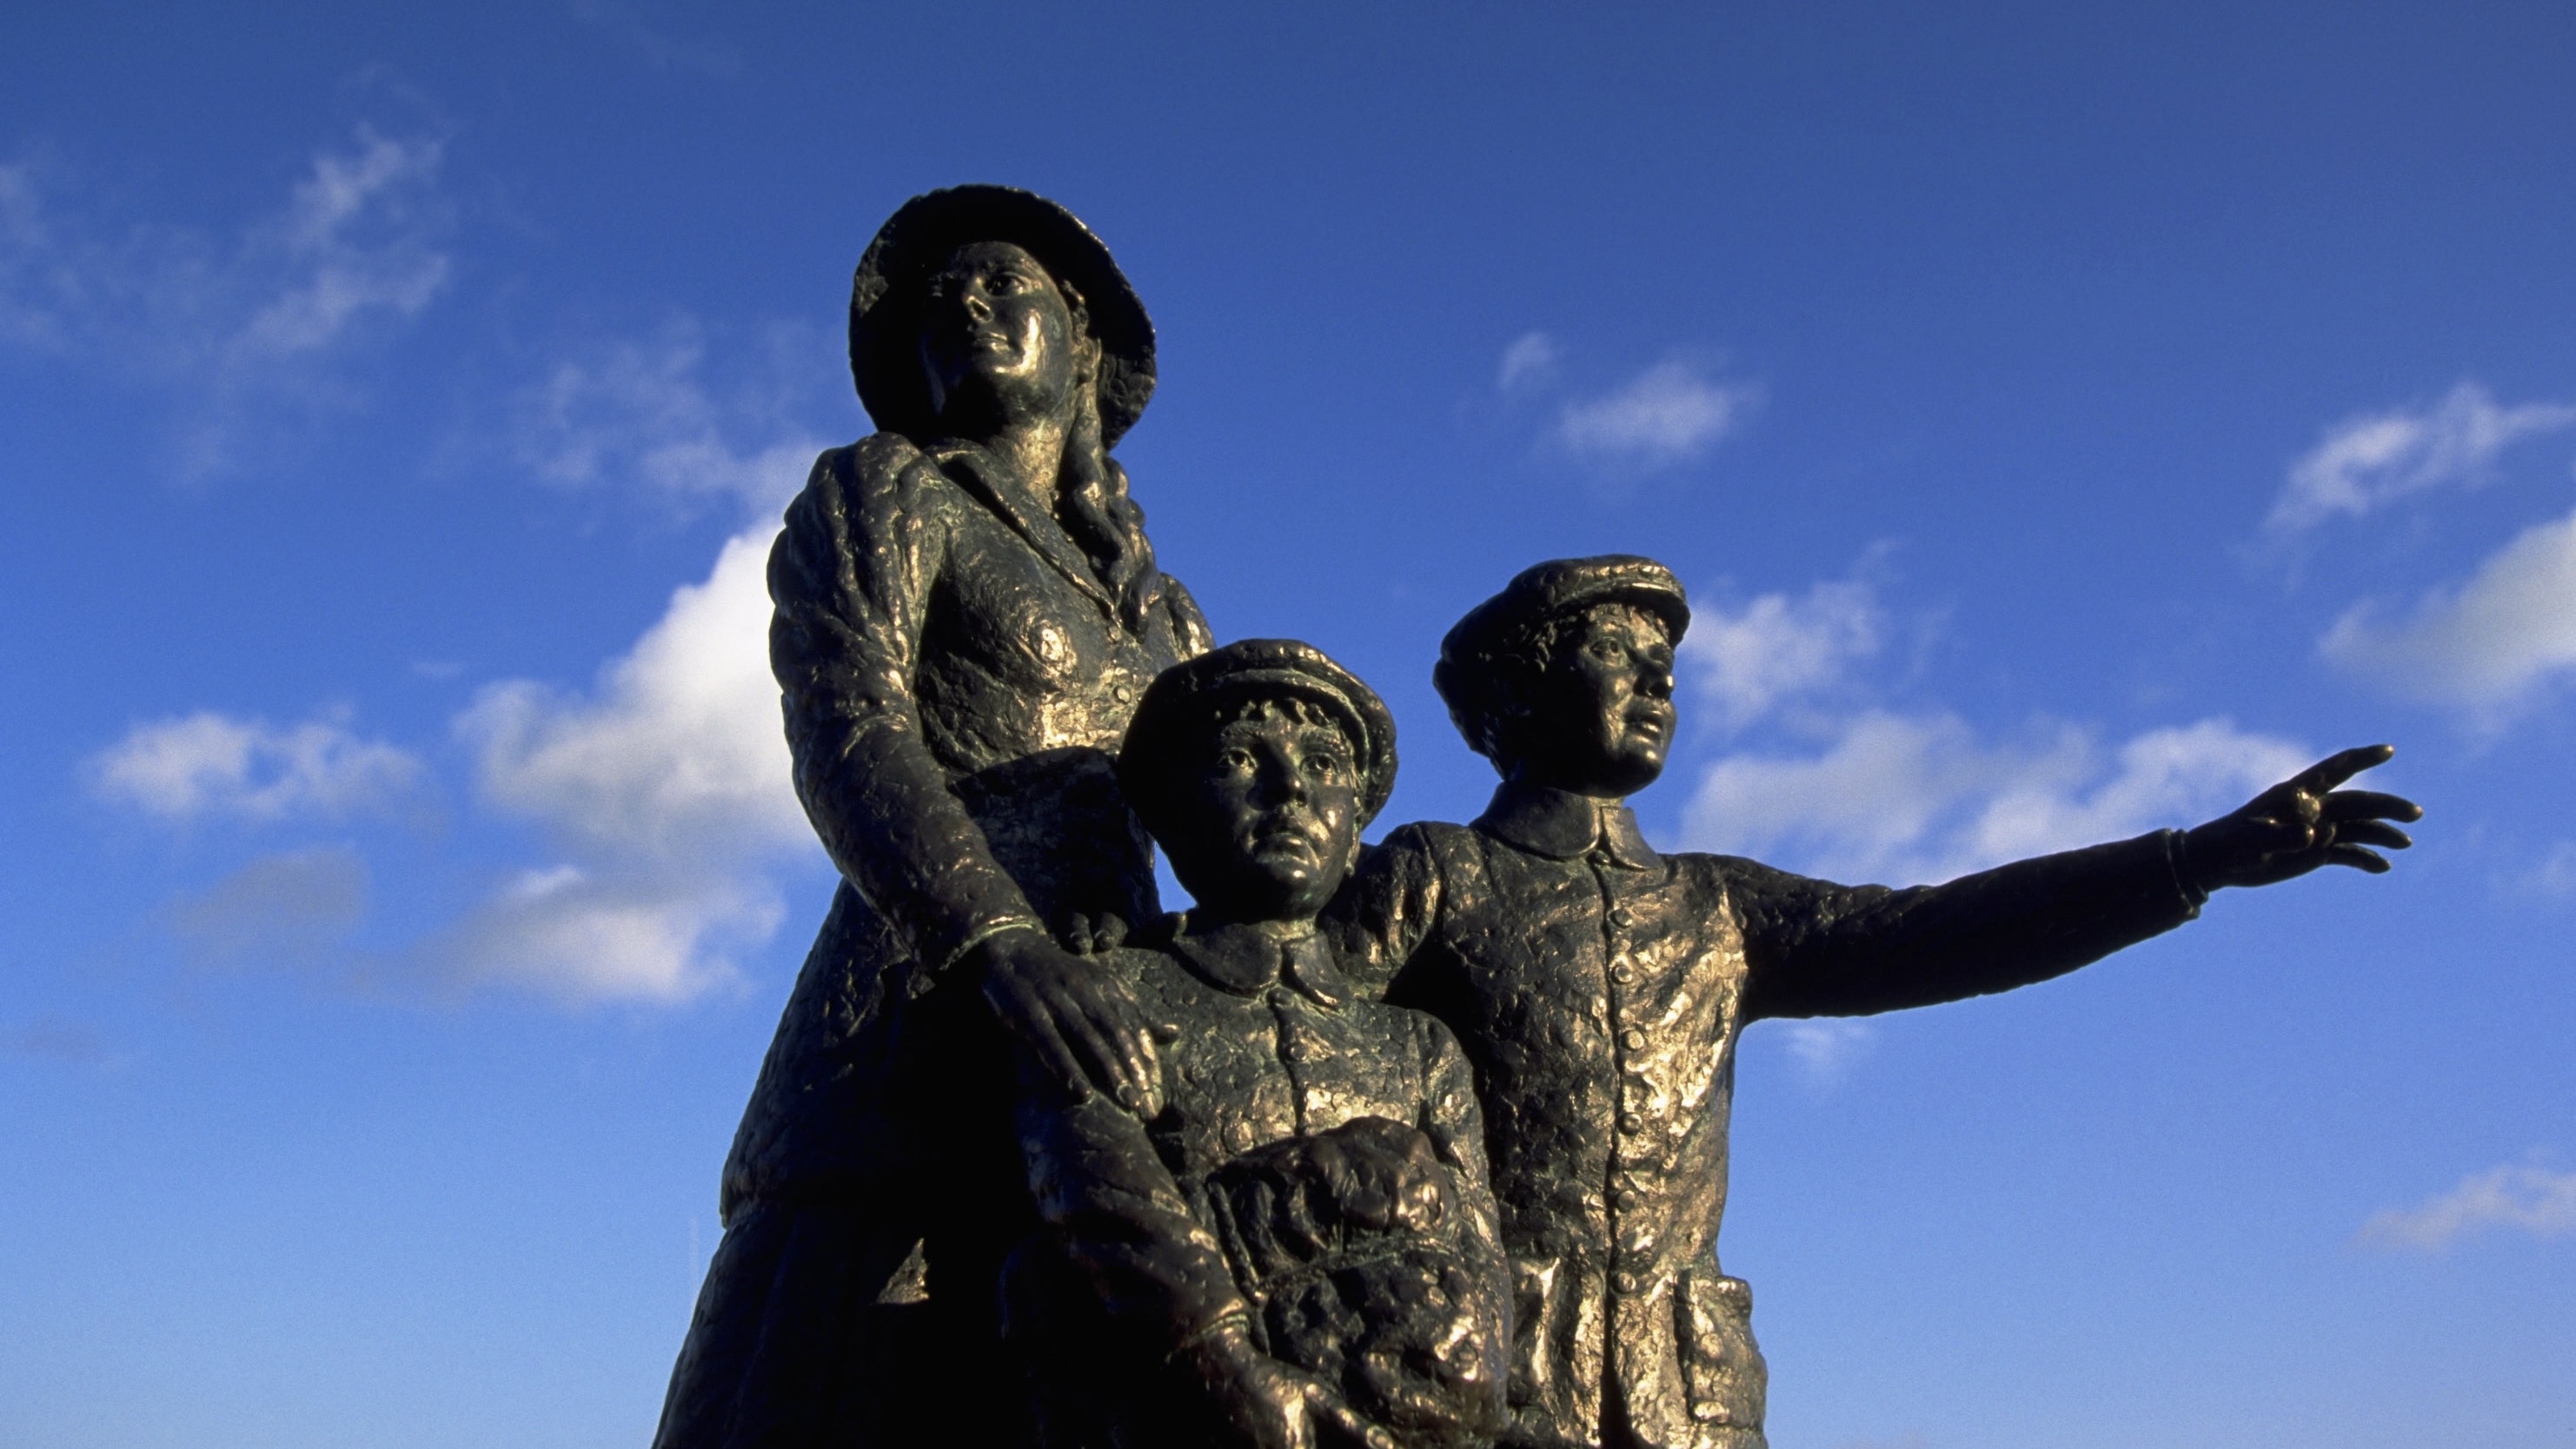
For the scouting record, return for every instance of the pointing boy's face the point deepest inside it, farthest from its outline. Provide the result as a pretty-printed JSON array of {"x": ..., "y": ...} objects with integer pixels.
[{"x": 1602, "y": 721}]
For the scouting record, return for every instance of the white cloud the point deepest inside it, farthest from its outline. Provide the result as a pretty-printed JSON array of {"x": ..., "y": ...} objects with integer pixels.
[
  {"x": 658, "y": 932},
  {"x": 1777, "y": 648},
  {"x": 668, "y": 790},
  {"x": 2364, "y": 462},
  {"x": 1827, "y": 1049},
  {"x": 643, "y": 412},
  {"x": 1921, "y": 797},
  {"x": 2484, "y": 646},
  {"x": 212, "y": 764},
  {"x": 1529, "y": 362},
  {"x": 681, "y": 748},
  {"x": 2525, "y": 1198},
  {"x": 1668, "y": 414}
]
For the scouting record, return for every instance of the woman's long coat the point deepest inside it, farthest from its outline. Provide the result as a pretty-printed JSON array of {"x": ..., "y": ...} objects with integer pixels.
[{"x": 956, "y": 679}]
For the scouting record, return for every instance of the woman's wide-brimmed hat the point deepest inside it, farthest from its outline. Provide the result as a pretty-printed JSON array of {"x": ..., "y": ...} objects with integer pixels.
[{"x": 887, "y": 296}]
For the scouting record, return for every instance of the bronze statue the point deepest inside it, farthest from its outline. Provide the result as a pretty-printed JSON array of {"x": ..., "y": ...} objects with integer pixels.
[
  {"x": 1030, "y": 1163},
  {"x": 967, "y": 611},
  {"x": 1291, "y": 1242},
  {"x": 1599, "y": 985}
]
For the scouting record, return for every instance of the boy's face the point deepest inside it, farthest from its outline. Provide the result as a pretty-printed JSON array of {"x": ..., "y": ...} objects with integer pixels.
[
  {"x": 1268, "y": 825},
  {"x": 1602, "y": 720}
]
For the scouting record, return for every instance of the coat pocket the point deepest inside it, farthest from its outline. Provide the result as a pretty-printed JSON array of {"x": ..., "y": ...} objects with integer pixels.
[{"x": 1724, "y": 1370}]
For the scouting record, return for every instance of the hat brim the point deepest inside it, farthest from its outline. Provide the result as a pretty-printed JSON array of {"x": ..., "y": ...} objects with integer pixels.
[
  {"x": 1154, "y": 738},
  {"x": 886, "y": 297}
]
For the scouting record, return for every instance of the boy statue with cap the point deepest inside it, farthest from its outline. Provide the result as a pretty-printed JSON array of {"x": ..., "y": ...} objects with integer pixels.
[
  {"x": 1599, "y": 986},
  {"x": 1290, "y": 1242}
]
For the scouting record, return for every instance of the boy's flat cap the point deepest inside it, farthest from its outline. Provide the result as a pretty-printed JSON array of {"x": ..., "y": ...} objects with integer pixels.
[
  {"x": 1187, "y": 697},
  {"x": 1564, "y": 586}
]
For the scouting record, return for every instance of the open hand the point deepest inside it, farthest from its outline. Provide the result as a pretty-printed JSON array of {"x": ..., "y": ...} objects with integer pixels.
[
  {"x": 1084, "y": 1028},
  {"x": 2300, "y": 824}
]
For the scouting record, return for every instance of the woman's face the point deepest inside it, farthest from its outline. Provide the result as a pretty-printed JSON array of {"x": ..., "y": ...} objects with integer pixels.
[{"x": 997, "y": 339}]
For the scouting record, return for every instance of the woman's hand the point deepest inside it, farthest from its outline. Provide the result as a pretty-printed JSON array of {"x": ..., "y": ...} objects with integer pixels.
[{"x": 1084, "y": 1027}]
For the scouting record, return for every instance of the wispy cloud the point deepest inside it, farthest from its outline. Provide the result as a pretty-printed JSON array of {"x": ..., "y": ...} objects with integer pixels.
[
  {"x": 291, "y": 909},
  {"x": 233, "y": 319},
  {"x": 644, "y": 413},
  {"x": 210, "y": 764},
  {"x": 2556, "y": 873},
  {"x": 1529, "y": 362},
  {"x": 656, "y": 46},
  {"x": 1667, "y": 415},
  {"x": 354, "y": 241},
  {"x": 1918, "y": 797},
  {"x": 53, "y": 1039},
  {"x": 2367, "y": 461},
  {"x": 1827, "y": 1050},
  {"x": 2484, "y": 647},
  {"x": 665, "y": 790},
  {"x": 1747, "y": 661},
  {"x": 2518, "y": 1198}
]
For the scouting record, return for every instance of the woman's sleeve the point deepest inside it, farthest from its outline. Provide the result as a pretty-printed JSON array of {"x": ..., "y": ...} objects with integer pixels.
[{"x": 851, "y": 576}]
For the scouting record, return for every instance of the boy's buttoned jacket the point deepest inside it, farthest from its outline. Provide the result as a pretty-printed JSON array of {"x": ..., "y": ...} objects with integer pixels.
[
  {"x": 1263, "y": 1041},
  {"x": 1599, "y": 986}
]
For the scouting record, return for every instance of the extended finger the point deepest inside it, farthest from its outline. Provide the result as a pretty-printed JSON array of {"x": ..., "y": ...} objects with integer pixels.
[
  {"x": 2372, "y": 832},
  {"x": 2353, "y": 804},
  {"x": 2353, "y": 855},
  {"x": 2340, "y": 766}
]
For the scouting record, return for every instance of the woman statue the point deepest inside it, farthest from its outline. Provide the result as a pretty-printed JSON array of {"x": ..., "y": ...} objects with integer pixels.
[{"x": 967, "y": 612}]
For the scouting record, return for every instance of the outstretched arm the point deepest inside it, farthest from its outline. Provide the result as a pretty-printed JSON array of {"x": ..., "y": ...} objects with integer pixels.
[{"x": 1819, "y": 949}]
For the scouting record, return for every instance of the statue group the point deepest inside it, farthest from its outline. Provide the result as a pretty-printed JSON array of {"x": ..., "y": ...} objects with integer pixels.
[{"x": 1415, "y": 1144}]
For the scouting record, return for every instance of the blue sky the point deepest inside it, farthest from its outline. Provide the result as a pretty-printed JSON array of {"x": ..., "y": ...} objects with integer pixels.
[{"x": 2067, "y": 418}]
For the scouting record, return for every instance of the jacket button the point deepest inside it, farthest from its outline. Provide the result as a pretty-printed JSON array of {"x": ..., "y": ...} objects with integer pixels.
[
  {"x": 1625, "y": 1282},
  {"x": 1630, "y": 1199},
  {"x": 1631, "y": 1122},
  {"x": 1634, "y": 1039},
  {"x": 1622, "y": 917},
  {"x": 1123, "y": 693},
  {"x": 1624, "y": 974}
]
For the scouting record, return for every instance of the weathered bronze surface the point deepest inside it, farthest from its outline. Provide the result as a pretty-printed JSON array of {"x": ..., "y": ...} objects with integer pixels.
[
  {"x": 1032, "y": 1164},
  {"x": 967, "y": 612},
  {"x": 1599, "y": 986},
  {"x": 1294, "y": 1234}
]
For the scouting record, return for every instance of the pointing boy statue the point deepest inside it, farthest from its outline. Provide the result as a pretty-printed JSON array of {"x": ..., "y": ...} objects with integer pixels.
[{"x": 1599, "y": 985}]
